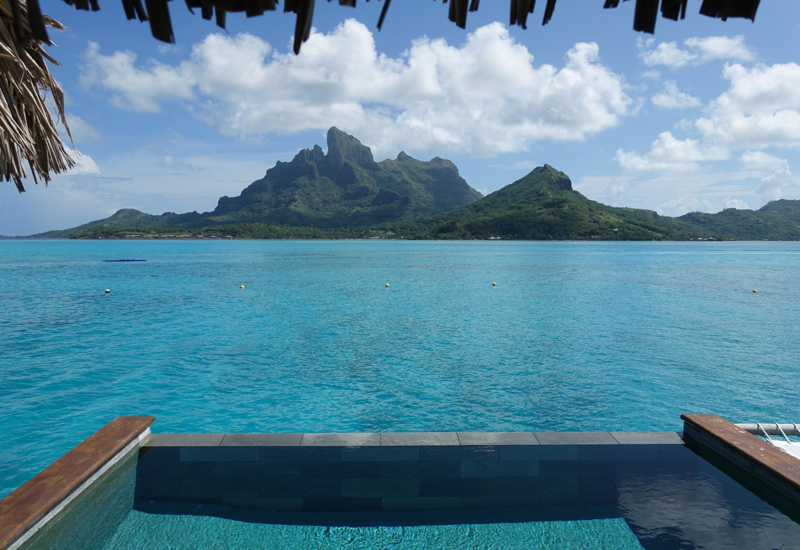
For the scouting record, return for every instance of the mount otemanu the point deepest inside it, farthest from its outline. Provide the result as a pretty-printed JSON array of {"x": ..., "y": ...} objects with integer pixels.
[
  {"x": 342, "y": 188},
  {"x": 346, "y": 194}
]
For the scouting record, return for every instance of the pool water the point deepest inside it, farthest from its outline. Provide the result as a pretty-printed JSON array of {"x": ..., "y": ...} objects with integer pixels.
[
  {"x": 574, "y": 337},
  {"x": 188, "y": 532}
]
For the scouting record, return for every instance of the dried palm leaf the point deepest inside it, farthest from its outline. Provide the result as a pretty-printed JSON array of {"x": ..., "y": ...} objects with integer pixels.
[{"x": 28, "y": 132}]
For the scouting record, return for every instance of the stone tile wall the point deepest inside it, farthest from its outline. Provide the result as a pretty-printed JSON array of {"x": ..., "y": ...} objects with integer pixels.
[{"x": 396, "y": 471}]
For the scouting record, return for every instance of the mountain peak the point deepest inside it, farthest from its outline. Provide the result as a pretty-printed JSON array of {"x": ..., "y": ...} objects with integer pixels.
[
  {"x": 554, "y": 178},
  {"x": 344, "y": 147}
]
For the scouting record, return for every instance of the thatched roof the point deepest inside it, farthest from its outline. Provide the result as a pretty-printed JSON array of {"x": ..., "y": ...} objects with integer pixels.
[
  {"x": 27, "y": 131},
  {"x": 644, "y": 18}
]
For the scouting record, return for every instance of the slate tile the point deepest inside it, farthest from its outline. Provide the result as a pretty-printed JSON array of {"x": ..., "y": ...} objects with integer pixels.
[
  {"x": 421, "y": 503},
  {"x": 282, "y": 486},
  {"x": 500, "y": 468},
  {"x": 295, "y": 504},
  {"x": 342, "y": 440},
  {"x": 379, "y": 454},
  {"x": 261, "y": 440},
  {"x": 647, "y": 438},
  {"x": 421, "y": 469},
  {"x": 147, "y": 469},
  {"x": 220, "y": 454},
  {"x": 437, "y": 487},
  {"x": 341, "y": 504},
  {"x": 621, "y": 452},
  {"x": 508, "y": 501},
  {"x": 416, "y": 439},
  {"x": 184, "y": 440},
  {"x": 480, "y": 486},
  {"x": 380, "y": 487},
  {"x": 306, "y": 454},
  {"x": 575, "y": 438},
  {"x": 540, "y": 452},
  {"x": 256, "y": 470},
  {"x": 338, "y": 470},
  {"x": 219, "y": 488},
  {"x": 497, "y": 438}
]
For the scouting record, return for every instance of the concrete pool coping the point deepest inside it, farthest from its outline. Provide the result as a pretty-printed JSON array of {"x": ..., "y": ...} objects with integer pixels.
[{"x": 411, "y": 439}]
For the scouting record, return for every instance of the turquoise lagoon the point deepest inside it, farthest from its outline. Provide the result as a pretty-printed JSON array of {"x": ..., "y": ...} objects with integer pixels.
[{"x": 574, "y": 337}]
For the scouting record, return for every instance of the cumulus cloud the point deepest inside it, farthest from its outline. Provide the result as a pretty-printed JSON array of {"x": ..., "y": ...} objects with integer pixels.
[
  {"x": 84, "y": 165},
  {"x": 760, "y": 161},
  {"x": 135, "y": 89},
  {"x": 485, "y": 97},
  {"x": 671, "y": 98},
  {"x": 666, "y": 53},
  {"x": 697, "y": 52},
  {"x": 774, "y": 171},
  {"x": 711, "y": 48},
  {"x": 668, "y": 154},
  {"x": 81, "y": 130},
  {"x": 679, "y": 207},
  {"x": 761, "y": 108},
  {"x": 738, "y": 204}
]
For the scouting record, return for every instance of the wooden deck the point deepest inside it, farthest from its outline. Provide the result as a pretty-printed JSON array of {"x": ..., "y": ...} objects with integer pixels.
[
  {"x": 754, "y": 455},
  {"x": 22, "y": 508}
]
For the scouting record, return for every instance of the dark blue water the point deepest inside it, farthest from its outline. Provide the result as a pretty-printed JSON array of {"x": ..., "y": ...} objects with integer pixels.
[{"x": 575, "y": 336}]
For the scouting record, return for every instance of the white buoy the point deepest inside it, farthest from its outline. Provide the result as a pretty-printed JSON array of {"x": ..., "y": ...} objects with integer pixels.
[{"x": 387, "y": 285}]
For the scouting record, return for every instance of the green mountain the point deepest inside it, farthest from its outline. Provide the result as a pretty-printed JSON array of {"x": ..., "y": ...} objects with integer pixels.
[
  {"x": 344, "y": 187},
  {"x": 543, "y": 206}
]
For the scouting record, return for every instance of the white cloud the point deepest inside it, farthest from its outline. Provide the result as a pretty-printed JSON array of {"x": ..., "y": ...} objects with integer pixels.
[
  {"x": 666, "y": 53},
  {"x": 84, "y": 165},
  {"x": 698, "y": 51},
  {"x": 81, "y": 130},
  {"x": 668, "y": 154},
  {"x": 485, "y": 97},
  {"x": 679, "y": 207},
  {"x": 711, "y": 48},
  {"x": 652, "y": 74},
  {"x": 760, "y": 161},
  {"x": 671, "y": 98},
  {"x": 774, "y": 172},
  {"x": 761, "y": 108},
  {"x": 135, "y": 89},
  {"x": 738, "y": 204}
]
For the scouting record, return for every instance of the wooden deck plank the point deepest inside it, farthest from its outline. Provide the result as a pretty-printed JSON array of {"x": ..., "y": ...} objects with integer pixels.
[
  {"x": 780, "y": 465},
  {"x": 22, "y": 508}
]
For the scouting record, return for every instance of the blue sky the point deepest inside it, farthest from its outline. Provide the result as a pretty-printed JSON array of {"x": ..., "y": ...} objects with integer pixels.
[{"x": 704, "y": 115}]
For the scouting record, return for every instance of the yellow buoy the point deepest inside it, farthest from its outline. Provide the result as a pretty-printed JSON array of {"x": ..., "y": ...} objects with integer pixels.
[
  {"x": 241, "y": 286},
  {"x": 754, "y": 290},
  {"x": 387, "y": 285},
  {"x": 494, "y": 284},
  {"x": 107, "y": 291}
]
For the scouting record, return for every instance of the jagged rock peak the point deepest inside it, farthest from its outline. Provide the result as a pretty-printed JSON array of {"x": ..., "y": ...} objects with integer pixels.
[
  {"x": 344, "y": 147},
  {"x": 402, "y": 156},
  {"x": 314, "y": 154},
  {"x": 558, "y": 180}
]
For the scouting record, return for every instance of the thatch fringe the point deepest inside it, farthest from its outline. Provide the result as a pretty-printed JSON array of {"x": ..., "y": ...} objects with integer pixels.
[
  {"x": 27, "y": 130},
  {"x": 644, "y": 17}
]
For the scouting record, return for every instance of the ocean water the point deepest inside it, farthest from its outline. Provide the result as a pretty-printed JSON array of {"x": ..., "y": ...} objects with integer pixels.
[{"x": 574, "y": 336}]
